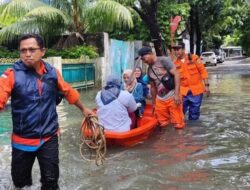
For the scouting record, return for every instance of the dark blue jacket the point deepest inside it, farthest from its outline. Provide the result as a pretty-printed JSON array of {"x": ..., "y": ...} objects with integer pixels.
[
  {"x": 144, "y": 86},
  {"x": 34, "y": 116}
]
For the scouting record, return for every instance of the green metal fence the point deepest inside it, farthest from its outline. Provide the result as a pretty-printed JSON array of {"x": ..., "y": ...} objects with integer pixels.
[
  {"x": 80, "y": 75},
  {"x": 3, "y": 67}
]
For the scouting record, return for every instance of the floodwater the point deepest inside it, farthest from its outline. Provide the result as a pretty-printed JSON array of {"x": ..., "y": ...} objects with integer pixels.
[{"x": 213, "y": 153}]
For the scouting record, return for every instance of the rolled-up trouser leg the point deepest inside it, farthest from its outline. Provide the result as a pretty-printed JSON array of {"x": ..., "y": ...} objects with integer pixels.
[
  {"x": 21, "y": 167},
  {"x": 168, "y": 112},
  {"x": 194, "y": 107},
  {"x": 162, "y": 112},
  {"x": 185, "y": 103},
  {"x": 48, "y": 158},
  {"x": 176, "y": 115}
]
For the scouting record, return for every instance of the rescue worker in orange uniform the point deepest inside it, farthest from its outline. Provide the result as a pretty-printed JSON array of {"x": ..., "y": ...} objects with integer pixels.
[
  {"x": 166, "y": 102},
  {"x": 193, "y": 80}
]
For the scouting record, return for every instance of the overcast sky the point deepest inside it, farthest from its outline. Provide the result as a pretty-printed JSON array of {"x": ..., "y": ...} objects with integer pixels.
[{"x": 3, "y": 1}]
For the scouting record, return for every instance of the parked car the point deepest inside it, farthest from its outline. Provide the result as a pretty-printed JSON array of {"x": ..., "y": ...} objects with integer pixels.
[{"x": 209, "y": 58}]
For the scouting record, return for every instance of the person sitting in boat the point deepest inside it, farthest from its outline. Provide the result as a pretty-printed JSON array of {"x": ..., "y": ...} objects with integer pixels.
[
  {"x": 146, "y": 80},
  {"x": 135, "y": 88},
  {"x": 114, "y": 106},
  {"x": 141, "y": 79}
]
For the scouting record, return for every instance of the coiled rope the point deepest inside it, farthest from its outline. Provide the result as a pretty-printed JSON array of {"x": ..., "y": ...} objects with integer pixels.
[{"x": 93, "y": 142}]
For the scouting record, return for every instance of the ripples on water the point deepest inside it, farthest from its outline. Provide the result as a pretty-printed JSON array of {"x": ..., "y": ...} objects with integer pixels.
[{"x": 212, "y": 153}]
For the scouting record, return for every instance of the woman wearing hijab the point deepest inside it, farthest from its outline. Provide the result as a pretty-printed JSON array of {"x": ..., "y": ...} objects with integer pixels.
[
  {"x": 132, "y": 86},
  {"x": 114, "y": 106},
  {"x": 142, "y": 79}
]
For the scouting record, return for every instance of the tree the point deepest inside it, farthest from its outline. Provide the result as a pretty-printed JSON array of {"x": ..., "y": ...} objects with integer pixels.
[
  {"x": 60, "y": 17},
  {"x": 147, "y": 10},
  {"x": 204, "y": 15},
  {"x": 92, "y": 16},
  {"x": 231, "y": 20},
  {"x": 211, "y": 21},
  {"x": 245, "y": 29},
  {"x": 154, "y": 15}
]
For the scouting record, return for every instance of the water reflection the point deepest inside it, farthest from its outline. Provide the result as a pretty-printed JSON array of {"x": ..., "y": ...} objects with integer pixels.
[{"x": 212, "y": 153}]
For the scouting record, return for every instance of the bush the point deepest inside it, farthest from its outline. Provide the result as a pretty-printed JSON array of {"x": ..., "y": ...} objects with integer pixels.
[
  {"x": 73, "y": 52},
  {"x": 5, "y": 53},
  {"x": 70, "y": 53}
]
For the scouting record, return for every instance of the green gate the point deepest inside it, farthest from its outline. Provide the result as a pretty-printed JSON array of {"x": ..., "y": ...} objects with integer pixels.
[
  {"x": 4, "y": 66},
  {"x": 80, "y": 75}
]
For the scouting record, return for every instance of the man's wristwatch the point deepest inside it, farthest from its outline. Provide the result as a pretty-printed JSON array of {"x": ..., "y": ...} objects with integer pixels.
[{"x": 207, "y": 84}]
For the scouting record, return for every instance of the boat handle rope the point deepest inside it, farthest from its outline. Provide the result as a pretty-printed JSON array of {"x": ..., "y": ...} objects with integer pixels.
[{"x": 93, "y": 139}]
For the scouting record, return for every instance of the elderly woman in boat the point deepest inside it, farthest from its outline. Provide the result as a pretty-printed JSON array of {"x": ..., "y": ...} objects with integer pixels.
[{"x": 114, "y": 106}]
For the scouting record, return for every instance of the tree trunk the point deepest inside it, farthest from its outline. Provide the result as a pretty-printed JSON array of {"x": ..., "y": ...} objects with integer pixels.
[
  {"x": 76, "y": 17},
  {"x": 191, "y": 32},
  {"x": 156, "y": 39},
  {"x": 198, "y": 31},
  {"x": 148, "y": 14}
]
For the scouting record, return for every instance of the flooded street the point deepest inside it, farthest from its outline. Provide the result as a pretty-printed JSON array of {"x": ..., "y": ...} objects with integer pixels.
[{"x": 213, "y": 153}]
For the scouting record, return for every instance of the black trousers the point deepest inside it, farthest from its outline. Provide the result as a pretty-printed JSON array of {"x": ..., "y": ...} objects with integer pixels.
[{"x": 48, "y": 159}]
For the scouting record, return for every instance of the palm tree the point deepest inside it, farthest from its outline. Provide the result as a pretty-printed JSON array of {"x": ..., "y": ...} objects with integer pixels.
[{"x": 62, "y": 17}]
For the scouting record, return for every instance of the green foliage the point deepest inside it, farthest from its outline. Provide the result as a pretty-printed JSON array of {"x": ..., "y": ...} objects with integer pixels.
[
  {"x": 168, "y": 9},
  {"x": 74, "y": 52},
  {"x": 141, "y": 32},
  {"x": 138, "y": 32},
  {"x": 233, "y": 39},
  {"x": 7, "y": 21},
  {"x": 70, "y": 53},
  {"x": 61, "y": 16},
  {"x": 5, "y": 53},
  {"x": 7, "y": 56},
  {"x": 245, "y": 38},
  {"x": 29, "y": 16},
  {"x": 111, "y": 15},
  {"x": 221, "y": 23}
]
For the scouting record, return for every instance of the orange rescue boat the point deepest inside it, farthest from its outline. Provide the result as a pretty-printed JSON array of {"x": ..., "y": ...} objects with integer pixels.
[{"x": 145, "y": 126}]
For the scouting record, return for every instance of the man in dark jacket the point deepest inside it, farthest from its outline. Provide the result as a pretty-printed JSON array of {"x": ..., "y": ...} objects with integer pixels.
[{"x": 33, "y": 86}]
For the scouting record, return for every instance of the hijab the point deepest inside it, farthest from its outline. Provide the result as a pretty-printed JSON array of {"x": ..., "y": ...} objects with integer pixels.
[
  {"x": 111, "y": 90},
  {"x": 130, "y": 85}
]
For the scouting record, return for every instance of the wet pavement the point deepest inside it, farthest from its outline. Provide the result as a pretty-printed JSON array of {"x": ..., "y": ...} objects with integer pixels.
[{"x": 213, "y": 153}]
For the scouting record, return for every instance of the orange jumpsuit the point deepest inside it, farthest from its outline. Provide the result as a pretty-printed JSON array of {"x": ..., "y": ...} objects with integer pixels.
[{"x": 192, "y": 73}]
